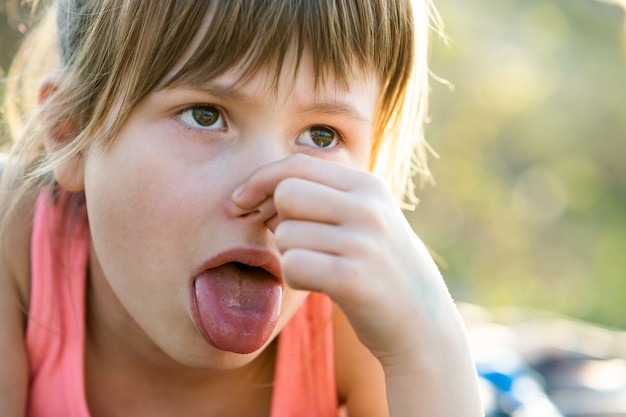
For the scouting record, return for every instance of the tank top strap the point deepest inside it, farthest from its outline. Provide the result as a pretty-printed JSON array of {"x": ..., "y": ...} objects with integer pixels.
[
  {"x": 55, "y": 335},
  {"x": 304, "y": 382}
]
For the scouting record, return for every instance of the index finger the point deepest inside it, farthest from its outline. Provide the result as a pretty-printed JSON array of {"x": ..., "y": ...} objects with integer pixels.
[{"x": 261, "y": 183}]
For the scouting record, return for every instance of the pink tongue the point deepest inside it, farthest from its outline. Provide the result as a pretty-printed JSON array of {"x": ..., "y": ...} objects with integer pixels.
[{"x": 237, "y": 307}]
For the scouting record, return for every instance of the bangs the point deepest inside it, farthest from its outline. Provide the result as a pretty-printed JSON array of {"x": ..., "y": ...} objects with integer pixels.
[{"x": 342, "y": 36}]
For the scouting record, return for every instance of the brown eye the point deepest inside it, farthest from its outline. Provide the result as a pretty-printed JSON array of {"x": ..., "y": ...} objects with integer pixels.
[
  {"x": 203, "y": 117},
  {"x": 319, "y": 136}
]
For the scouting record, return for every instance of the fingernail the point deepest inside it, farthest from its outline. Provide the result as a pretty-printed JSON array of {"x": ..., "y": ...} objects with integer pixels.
[{"x": 236, "y": 195}]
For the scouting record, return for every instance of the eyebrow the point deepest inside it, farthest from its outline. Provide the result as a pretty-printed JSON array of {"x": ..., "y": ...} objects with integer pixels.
[
  {"x": 330, "y": 107},
  {"x": 337, "y": 108}
]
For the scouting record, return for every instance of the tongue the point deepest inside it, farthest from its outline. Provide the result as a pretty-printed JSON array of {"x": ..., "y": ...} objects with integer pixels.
[{"x": 237, "y": 307}]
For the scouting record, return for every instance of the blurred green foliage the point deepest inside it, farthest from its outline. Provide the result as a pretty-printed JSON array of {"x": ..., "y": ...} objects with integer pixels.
[{"x": 530, "y": 203}]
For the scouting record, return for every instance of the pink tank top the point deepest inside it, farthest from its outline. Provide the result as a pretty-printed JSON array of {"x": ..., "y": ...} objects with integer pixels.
[{"x": 304, "y": 384}]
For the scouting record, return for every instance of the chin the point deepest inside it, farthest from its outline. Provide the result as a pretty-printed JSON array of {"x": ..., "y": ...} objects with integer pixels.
[{"x": 209, "y": 358}]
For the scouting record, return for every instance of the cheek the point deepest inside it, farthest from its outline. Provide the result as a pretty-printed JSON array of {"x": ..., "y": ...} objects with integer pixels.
[
  {"x": 363, "y": 159},
  {"x": 360, "y": 153},
  {"x": 142, "y": 206},
  {"x": 127, "y": 200}
]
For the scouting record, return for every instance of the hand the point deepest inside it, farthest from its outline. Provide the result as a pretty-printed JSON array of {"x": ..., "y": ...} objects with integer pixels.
[{"x": 341, "y": 232}]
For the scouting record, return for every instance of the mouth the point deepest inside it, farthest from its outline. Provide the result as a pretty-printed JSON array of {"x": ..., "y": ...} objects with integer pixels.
[
  {"x": 246, "y": 260},
  {"x": 246, "y": 270},
  {"x": 236, "y": 299}
]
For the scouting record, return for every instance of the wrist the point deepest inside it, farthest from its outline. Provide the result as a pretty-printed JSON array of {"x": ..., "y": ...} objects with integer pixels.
[
  {"x": 431, "y": 346},
  {"x": 437, "y": 382}
]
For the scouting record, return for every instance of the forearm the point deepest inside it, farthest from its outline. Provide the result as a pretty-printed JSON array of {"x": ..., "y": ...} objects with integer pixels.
[{"x": 441, "y": 383}]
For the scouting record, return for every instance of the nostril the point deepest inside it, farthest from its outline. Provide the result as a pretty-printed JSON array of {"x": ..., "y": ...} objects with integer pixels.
[
  {"x": 261, "y": 213},
  {"x": 232, "y": 210},
  {"x": 249, "y": 213}
]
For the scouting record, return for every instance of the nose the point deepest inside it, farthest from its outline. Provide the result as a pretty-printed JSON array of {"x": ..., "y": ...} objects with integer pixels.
[
  {"x": 263, "y": 150},
  {"x": 264, "y": 213}
]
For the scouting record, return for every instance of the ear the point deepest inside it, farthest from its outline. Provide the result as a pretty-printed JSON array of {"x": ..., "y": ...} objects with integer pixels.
[{"x": 69, "y": 174}]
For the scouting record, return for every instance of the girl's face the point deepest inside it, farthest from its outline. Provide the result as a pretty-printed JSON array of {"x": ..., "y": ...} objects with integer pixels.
[{"x": 169, "y": 243}]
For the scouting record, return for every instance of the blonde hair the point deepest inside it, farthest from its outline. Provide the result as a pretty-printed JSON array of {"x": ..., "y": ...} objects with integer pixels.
[{"x": 112, "y": 53}]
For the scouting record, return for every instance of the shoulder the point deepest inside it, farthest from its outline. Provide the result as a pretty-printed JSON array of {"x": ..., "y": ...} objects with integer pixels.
[
  {"x": 15, "y": 245},
  {"x": 14, "y": 296},
  {"x": 360, "y": 377},
  {"x": 15, "y": 263}
]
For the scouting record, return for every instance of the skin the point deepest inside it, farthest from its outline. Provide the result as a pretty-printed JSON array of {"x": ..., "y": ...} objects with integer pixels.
[
  {"x": 159, "y": 196},
  {"x": 162, "y": 192}
]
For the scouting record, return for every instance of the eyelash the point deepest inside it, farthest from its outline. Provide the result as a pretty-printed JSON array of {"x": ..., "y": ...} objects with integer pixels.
[{"x": 339, "y": 134}]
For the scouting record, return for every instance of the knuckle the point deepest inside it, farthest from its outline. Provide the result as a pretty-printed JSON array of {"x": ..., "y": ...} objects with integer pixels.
[
  {"x": 374, "y": 215},
  {"x": 367, "y": 247},
  {"x": 286, "y": 195},
  {"x": 376, "y": 183},
  {"x": 350, "y": 277},
  {"x": 374, "y": 206}
]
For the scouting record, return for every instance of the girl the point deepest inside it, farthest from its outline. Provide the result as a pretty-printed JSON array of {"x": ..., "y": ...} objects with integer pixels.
[{"x": 192, "y": 224}]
